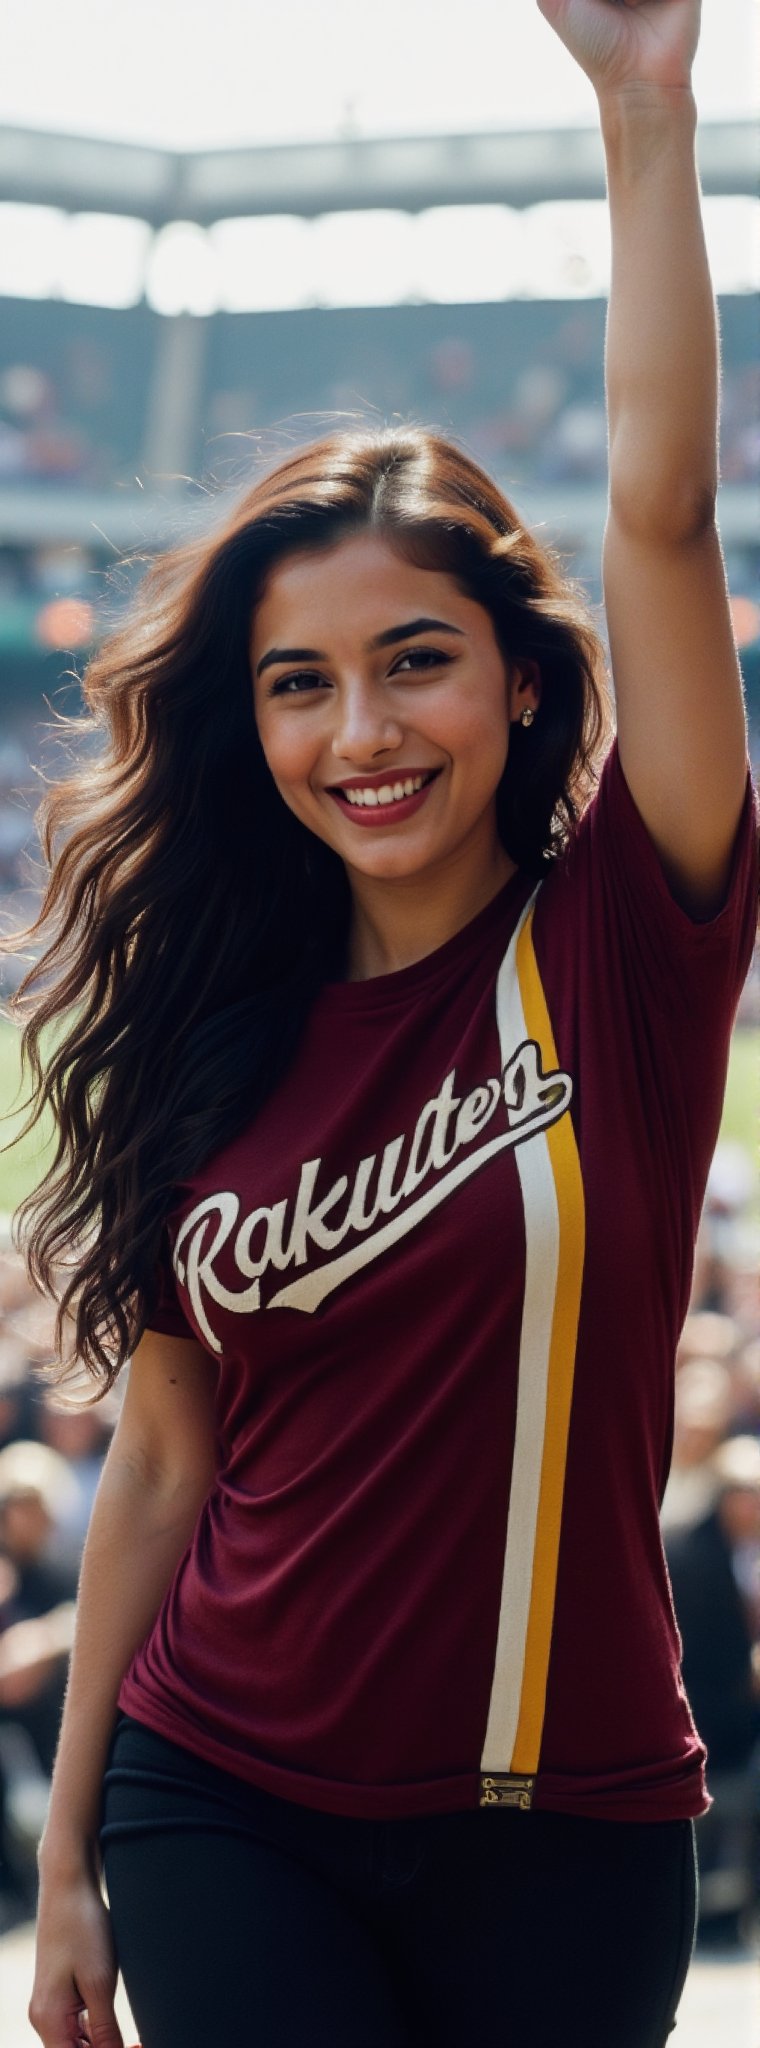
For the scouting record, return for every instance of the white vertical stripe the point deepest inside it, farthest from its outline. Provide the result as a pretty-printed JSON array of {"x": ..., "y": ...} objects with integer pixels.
[{"x": 541, "y": 1269}]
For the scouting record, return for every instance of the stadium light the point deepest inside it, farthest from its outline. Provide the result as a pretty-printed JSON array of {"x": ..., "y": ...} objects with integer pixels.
[
  {"x": 375, "y": 257},
  {"x": 102, "y": 259},
  {"x": 466, "y": 254},
  {"x": 264, "y": 264},
  {"x": 745, "y": 614},
  {"x": 365, "y": 259},
  {"x": 65, "y": 622},
  {"x": 732, "y": 233},
  {"x": 30, "y": 241},
  {"x": 181, "y": 271}
]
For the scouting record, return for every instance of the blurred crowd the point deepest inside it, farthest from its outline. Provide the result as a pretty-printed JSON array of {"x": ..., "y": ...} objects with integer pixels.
[
  {"x": 520, "y": 381},
  {"x": 40, "y": 437},
  {"x": 52, "y": 1448},
  {"x": 51, "y": 1452},
  {"x": 711, "y": 1534},
  {"x": 550, "y": 426}
]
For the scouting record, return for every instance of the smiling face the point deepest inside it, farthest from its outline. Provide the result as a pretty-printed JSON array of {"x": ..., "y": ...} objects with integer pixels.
[{"x": 383, "y": 705}]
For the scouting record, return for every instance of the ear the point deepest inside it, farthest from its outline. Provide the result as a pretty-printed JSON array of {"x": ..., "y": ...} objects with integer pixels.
[{"x": 523, "y": 688}]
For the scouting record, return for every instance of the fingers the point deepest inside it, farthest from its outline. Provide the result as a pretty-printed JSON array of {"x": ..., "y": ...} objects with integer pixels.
[
  {"x": 105, "y": 2034},
  {"x": 103, "y": 2031},
  {"x": 99, "y": 2027},
  {"x": 79, "y": 2025}
]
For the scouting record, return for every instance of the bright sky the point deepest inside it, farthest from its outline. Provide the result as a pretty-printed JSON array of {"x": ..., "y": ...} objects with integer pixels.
[{"x": 187, "y": 73}]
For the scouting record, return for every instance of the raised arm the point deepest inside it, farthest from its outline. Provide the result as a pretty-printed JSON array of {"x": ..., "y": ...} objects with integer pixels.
[{"x": 680, "y": 711}]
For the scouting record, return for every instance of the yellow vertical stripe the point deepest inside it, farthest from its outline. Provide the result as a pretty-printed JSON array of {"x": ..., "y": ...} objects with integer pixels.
[{"x": 566, "y": 1170}]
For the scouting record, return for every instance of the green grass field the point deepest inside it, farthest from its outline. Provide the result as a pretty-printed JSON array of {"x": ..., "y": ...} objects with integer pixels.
[
  {"x": 741, "y": 1113},
  {"x": 22, "y": 1162}
]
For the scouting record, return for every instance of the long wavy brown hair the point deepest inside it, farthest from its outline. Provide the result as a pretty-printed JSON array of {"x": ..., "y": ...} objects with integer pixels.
[{"x": 189, "y": 918}]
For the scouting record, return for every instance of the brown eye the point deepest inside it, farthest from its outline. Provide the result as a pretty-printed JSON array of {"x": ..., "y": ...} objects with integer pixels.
[
  {"x": 423, "y": 656},
  {"x": 296, "y": 685}
]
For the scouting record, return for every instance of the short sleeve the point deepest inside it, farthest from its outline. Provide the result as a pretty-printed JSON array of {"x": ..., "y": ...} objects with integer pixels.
[
  {"x": 165, "y": 1313},
  {"x": 688, "y": 968},
  {"x": 657, "y": 991}
]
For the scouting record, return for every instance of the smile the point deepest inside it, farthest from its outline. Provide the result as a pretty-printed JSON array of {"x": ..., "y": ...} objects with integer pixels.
[
  {"x": 375, "y": 803},
  {"x": 388, "y": 793}
]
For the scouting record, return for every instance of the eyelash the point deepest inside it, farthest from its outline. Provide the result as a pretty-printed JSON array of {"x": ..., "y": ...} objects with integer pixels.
[{"x": 281, "y": 688}]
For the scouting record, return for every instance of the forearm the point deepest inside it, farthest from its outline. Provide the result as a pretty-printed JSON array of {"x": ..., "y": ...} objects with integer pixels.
[
  {"x": 662, "y": 343},
  {"x": 138, "y": 1532}
]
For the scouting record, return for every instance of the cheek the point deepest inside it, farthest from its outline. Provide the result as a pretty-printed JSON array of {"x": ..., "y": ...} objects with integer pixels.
[
  {"x": 479, "y": 735},
  {"x": 288, "y": 751}
]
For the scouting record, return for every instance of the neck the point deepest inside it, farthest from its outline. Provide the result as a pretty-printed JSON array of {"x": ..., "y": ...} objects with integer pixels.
[{"x": 394, "y": 924}]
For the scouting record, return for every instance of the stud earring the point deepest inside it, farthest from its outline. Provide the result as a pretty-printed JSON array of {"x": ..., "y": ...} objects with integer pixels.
[{"x": 527, "y": 716}]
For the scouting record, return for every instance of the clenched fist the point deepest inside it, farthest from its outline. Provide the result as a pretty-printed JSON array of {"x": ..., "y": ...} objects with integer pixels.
[{"x": 628, "y": 43}]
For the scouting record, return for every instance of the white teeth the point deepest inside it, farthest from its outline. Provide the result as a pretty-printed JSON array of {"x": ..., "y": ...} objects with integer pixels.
[{"x": 387, "y": 793}]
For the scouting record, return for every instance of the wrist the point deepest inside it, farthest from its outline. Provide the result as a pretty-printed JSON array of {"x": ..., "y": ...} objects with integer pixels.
[
  {"x": 645, "y": 130},
  {"x": 66, "y": 1854},
  {"x": 642, "y": 102}
]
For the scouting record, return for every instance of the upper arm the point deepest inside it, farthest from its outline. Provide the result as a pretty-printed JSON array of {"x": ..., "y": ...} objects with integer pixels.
[
  {"x": 678, "y": 693},
  {"x": 167, "y": 1425}
]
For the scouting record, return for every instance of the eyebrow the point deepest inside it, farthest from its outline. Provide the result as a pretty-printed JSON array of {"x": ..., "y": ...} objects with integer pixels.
[{"x": 386, "y": 639}]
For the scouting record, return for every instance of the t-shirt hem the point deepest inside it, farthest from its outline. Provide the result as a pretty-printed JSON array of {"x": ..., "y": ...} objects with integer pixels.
[{"x": 684, "y": 1800}]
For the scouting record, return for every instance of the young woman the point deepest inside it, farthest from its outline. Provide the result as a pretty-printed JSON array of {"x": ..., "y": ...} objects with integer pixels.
[{"x": 390, "y": 1078}]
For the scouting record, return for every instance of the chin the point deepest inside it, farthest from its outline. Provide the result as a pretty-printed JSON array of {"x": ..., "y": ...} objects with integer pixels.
[{"x": 393, "y": 864}]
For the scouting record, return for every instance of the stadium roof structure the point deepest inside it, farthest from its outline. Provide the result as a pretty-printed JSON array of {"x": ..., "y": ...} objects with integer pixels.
[{"x": 518, "y": 168}]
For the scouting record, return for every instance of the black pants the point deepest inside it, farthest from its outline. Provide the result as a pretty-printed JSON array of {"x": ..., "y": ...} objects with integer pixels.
[{"x": 248, "y": 1920}]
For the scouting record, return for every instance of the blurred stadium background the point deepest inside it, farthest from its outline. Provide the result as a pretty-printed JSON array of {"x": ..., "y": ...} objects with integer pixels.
[{"x": 167, "y": 321}]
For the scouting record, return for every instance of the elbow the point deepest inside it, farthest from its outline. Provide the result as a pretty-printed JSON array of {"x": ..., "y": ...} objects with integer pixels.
[
  {"x": 167, "y": 1493},
  {"x": 671, "y": 513},
  {"x": 663, "y": 483}
]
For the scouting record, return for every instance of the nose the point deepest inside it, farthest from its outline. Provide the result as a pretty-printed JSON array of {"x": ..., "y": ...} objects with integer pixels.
[{"x": 364, "y": 728}]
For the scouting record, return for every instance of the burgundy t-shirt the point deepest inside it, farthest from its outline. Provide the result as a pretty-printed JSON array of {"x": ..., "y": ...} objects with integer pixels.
[{"x": 443, "y": 1274}]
